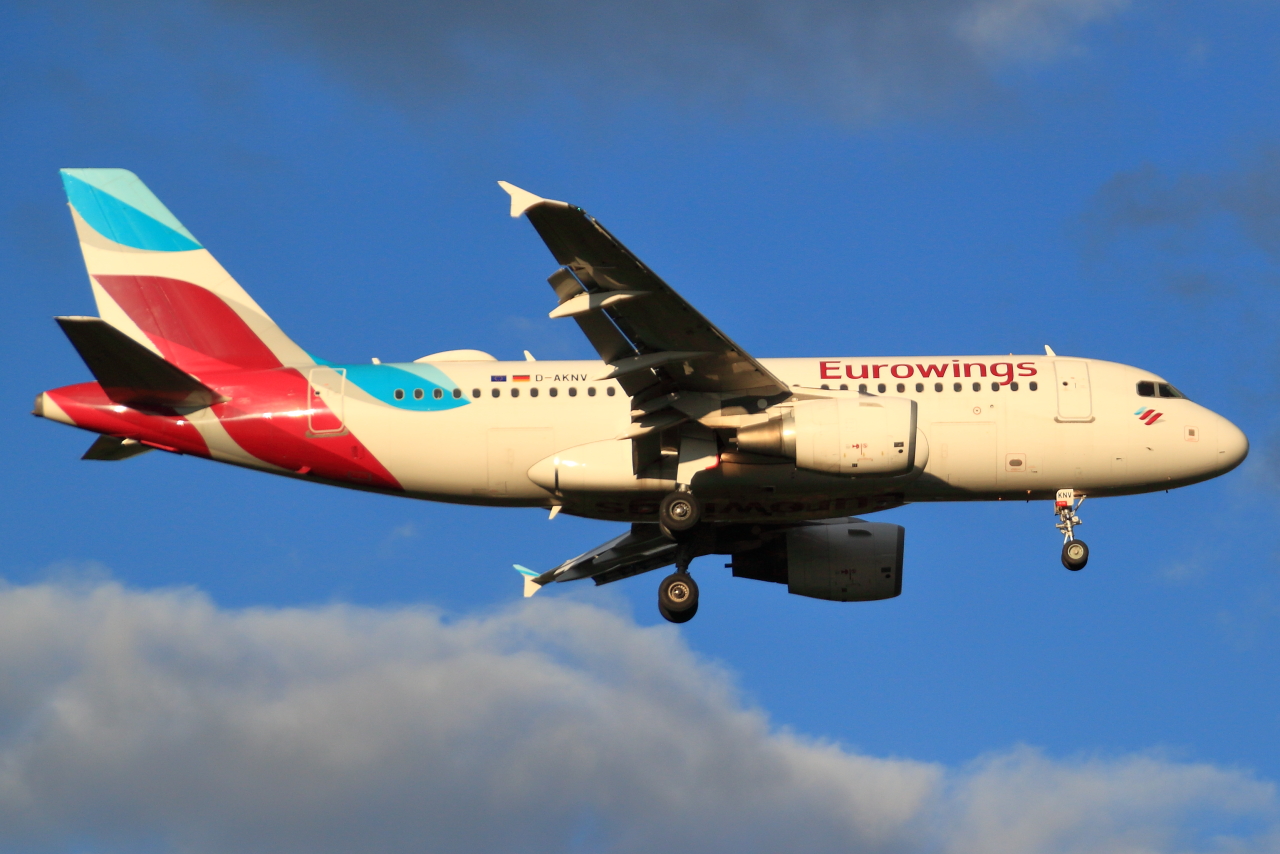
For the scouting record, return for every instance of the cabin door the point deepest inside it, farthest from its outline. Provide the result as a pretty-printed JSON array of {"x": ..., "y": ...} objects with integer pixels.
[{"x": 1075, "y": 403}]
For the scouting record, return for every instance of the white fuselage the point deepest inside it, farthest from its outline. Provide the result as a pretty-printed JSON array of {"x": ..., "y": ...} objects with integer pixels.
[{"x": 1041, "y": 424}]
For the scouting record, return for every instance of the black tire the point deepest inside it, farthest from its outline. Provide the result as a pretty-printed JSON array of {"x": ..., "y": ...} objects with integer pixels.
[
  {"x": 1075, "y": 554},
  {"x": 682, "y": 617},
  {"x": 679, "y": 511},
  {"x": 678, "y": 597}
]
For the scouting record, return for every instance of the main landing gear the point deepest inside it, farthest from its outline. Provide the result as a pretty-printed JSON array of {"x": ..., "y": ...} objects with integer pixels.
[
  {"x": 1075, "y": 554},
  {"x": 679, "y": 511},
  {"x": 678, "y": 592}
]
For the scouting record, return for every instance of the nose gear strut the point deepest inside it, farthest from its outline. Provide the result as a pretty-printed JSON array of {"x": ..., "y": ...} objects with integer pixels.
[{"x": 1075, "y": 554}]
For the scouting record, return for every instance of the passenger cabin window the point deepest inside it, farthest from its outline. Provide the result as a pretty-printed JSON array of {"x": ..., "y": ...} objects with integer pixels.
[
  {"x": 1032, "y": 385},
  {"x": 844, "y": 386},
  {"x": 995, "y": 386},
  {"x": 1146, "y": 389},
  {"x": 552, "y": 391},
  {"x": 457, "y": 393},
  {"x": 591, "y": 391},
  {"x": 919, "y": 386},
  {"x": 1167, "y": 390},
  {"x": 475, "y": 392},
  {"x": 862, "y": 387},
  {"x": 880, "y": 388},
  {"x": 437, "y": 393},
  {"x": 515, "y": 392},
  {"x": 901, "y": 388},
  {"x": 611, "y": 391},
  {"x": 957, "y": 386},
  {"x": 573, "y": 392},
  {"x": 497, "y": 392},
  {"x": 937, "y": 386},
  {"x": 533, "y": 392},
  {"x": 1013, "y": 386},
  {"x": 417, "y": 394},
  {"x": 977, "y": 386},
  {"x": 398, "y": 394}
]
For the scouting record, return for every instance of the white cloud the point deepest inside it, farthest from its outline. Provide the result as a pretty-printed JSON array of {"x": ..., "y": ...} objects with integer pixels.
[{"x": 159, "y": 720}]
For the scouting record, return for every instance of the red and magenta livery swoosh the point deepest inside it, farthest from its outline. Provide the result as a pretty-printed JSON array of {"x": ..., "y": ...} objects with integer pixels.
[{"x": 188, "y": 309}]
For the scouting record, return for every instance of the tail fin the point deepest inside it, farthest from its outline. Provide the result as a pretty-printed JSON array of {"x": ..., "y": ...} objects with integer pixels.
[
  {"x": 154, "y": 282},
  {"x": 129, "y": 373}
]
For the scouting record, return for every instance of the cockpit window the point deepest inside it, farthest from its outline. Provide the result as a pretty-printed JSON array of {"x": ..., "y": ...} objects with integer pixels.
[
  {"x": 1167, "y": 390},
  {"x": 1146, "y": 389}
]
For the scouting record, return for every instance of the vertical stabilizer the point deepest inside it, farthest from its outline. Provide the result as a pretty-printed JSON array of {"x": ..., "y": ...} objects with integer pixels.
[{"x": 157, "y": 284}]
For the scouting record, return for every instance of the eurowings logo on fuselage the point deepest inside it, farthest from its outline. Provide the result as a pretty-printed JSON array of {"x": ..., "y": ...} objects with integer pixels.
[{"x": 1150, "y": 416}]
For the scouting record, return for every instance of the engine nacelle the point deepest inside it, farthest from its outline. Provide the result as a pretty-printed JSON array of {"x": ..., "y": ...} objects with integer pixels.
[
  {"x": 842, "y": 560},
  {"x": 865, "y": 436}
]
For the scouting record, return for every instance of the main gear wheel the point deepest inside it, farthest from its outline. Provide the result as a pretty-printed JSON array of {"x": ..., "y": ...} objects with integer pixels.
[{"x": 678, "y": 597}]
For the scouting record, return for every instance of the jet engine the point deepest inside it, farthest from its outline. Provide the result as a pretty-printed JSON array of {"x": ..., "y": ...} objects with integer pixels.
[
  {"x": 865, "y": 436},
  {"x": 845, "y": 560}
]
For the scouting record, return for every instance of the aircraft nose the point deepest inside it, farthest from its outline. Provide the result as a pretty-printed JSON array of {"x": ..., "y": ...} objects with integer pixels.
[{"x": 1233, "y": 446}]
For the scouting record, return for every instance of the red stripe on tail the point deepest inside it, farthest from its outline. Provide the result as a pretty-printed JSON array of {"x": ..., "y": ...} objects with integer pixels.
[{"x": 192, "y": 327}]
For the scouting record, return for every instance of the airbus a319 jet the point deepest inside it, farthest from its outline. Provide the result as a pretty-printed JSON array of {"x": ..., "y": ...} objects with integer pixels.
[{"x": 702, "y": 448}]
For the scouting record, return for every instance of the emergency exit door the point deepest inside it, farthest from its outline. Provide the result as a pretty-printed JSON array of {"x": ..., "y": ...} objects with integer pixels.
[{"x": 1075, "y": 402}]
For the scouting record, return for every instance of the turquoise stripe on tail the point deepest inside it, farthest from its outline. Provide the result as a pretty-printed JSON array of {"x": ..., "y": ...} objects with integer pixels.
[{"x": 120, "y": 207}]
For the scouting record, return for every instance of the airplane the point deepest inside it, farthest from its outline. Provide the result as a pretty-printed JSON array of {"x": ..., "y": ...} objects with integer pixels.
[{"x": 676, "y": 430}]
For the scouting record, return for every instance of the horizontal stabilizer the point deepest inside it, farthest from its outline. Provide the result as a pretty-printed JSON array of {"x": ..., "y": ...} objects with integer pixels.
[
  {"x": 114, "y": 448},
  {"x": 131, "y": 374}
]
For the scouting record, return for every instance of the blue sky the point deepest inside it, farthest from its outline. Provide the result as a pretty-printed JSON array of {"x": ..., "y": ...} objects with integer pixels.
[{"x": 821, "y": 179}]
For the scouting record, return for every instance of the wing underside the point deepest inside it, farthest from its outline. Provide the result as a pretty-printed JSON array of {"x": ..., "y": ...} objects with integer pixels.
[{"x": 641, "y": 549}]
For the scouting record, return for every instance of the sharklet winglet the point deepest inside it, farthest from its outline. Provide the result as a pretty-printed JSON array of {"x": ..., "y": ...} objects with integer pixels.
[
  {"x": 522, "y": 200},
  {"x": 531, "y": 585}
]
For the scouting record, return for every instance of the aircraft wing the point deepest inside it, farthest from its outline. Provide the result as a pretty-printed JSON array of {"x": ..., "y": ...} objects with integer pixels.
[
  {"x": 645, "y": 331},
  {"x": 639, "y": 550}
]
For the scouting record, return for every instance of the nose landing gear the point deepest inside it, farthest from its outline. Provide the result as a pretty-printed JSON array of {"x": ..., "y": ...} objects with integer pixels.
[
  {"x": 1075, "y": 554},
  {"x": 678, "y": 592}
]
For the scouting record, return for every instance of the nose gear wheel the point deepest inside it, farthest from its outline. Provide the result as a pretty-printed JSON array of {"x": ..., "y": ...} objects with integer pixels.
[{"x": 1075, "y": 554}]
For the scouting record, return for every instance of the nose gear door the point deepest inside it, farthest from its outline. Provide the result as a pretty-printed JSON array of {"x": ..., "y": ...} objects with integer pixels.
[{"x": 1075, "y": 402}]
